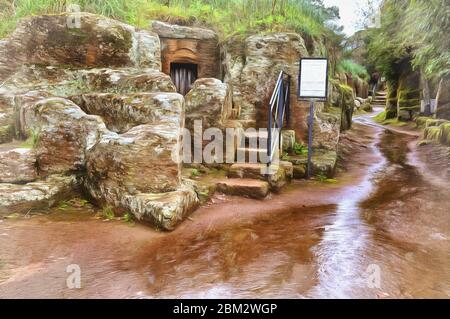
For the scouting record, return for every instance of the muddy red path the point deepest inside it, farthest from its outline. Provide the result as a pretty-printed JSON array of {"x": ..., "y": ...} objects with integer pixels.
[{"x": 381, "y": 231}]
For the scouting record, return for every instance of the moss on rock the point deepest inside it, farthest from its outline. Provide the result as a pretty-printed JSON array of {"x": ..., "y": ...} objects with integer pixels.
[
  {"x": 445, "y": 133},
  {"x": 432, "y": 133},
  {"x": 421, "y": 121}
]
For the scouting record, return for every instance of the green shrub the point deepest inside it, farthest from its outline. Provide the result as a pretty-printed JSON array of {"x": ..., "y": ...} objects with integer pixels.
[
  {"x": 108, "y": 213},
  {"x": 300, "y": 149}
]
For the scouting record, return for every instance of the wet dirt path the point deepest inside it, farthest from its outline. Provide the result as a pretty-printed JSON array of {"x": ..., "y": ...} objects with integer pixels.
[{"x": 383, "y": 231}]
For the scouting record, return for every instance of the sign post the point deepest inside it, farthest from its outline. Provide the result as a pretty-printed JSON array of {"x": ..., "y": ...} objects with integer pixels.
[{"x": 312, "y": 86}]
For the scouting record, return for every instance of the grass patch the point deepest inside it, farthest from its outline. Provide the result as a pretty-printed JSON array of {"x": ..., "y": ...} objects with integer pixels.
[
  {"x": 63, "y": 205},
  {"x": 353, "y": 68},
  {"x": 381, "y": 119},
  {"x": 227, "y": 17},
  {"x": 324, "y": 179},
  {"x": 13, "y": 216},
  {"x": 195, "y": 173},
  {"x": 128, "y": 219},
  {"x": 300, "y": 149},
  {"x": 107, "y": 213}
]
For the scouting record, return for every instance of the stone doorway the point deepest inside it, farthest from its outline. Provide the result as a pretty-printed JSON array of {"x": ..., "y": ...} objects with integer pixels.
[{"x": 183, "y": 76}]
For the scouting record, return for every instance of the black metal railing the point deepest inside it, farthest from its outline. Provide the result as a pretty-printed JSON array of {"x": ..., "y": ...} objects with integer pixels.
[{"x": 279, "y": 112}]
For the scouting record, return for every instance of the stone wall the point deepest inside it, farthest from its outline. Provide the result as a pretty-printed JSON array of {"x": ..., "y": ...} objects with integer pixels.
[{"x": 181, "y": 44}]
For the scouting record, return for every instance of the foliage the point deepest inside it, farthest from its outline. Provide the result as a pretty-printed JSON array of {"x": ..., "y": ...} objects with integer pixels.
[
  {"x": 412, "y": 29},
  {"x": 227, "y": 17},
  {"x": 353, "y": 68},
  {"x": 300, "y": 149},
  {"x": 324, "y": 179},
  {"x": 129, "y": 219},
  {"x": 63, "y": 205},
  {"x": 108, "y": 213},
  {"x": 382, "y": 119},
  {"x": 195, "y": 173}
]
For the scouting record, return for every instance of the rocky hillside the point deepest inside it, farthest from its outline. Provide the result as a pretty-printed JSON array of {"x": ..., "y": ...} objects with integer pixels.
[{"x": 89, "y": 109}]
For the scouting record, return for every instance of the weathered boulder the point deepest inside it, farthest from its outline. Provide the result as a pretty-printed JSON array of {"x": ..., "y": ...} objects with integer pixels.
[
  {"x": 210, "y": 101},
  {"x": 124, "y": 81},
  {"x": 36, "y": 195},
  {"x": 173, "y": 31},
  {"x": 251, "y": 188},
  {"x": 165, "y": 210},
  {"x": 323, "y": 163},
  {"x": 27, "y": 122},
  {"x": 367, "y": 107},
  {"x": 63, "y": 134},
  {"x": 121, "y": 112},
  {"x": 343, "y": 97},
  {"x": 17, "y": 165},
  {"x": 145, "y": 158},
  {"x": 288, "y": 140},
  {"x": 96, "y": 41},
  {"x": 326, "y": 131}
]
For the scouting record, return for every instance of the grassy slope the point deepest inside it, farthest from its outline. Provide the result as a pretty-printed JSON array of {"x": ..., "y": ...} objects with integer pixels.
[{"x": 228, "y": 17}]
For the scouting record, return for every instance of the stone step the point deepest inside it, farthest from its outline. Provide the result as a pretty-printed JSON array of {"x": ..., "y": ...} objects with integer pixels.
[
  {"x": 251, "y": 188},
  {"x": 277, "y": 175},
  {"x": 253, "y": 153},
  {"x": 245, "y": 170}
]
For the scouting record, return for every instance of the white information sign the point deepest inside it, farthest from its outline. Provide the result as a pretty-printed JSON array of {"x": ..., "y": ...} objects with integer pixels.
[{"x": 313, "y": 82}]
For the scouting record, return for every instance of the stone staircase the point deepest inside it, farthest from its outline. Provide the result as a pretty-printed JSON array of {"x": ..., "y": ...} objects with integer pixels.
[
  {"x": 380, "y": 99},
  {"x": 252, "y": 178}
]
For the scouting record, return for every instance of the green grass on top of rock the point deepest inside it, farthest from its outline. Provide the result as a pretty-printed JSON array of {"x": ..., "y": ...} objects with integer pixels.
[
  {"x": 353, "y": 68},
  {"x": 381, "y": 119},
  {"x": 227, "y": 17}
]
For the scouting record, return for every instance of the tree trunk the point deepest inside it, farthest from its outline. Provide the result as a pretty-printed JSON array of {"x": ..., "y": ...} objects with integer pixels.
[
  {"x": 426, "y": 94},
  {"x": 441, "y": 83},
  {"x": 274, "y": 4}
]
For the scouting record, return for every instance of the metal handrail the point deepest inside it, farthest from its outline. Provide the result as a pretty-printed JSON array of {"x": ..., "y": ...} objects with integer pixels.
[{"x": 279, "y": 111}]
